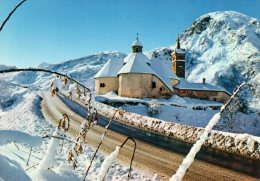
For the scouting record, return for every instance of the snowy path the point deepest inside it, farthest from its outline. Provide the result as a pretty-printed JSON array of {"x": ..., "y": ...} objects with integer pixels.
[{"x": 148, "y": 158}]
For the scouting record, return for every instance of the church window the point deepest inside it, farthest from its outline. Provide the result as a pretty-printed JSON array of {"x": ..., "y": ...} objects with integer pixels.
[
  {"x": 102, "y": 84},
  {"x": 153, "y": 85}
]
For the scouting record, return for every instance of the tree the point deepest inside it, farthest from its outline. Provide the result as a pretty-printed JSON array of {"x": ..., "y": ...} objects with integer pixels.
[
  {"x": 240, "y": 103},
  {"x": 153, "y": 108}
]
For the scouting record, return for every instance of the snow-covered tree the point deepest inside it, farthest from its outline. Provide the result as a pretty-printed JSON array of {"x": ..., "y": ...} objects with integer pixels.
[
  {"x": 153, "y": 108},
  {"x": 240, "y": 103}
]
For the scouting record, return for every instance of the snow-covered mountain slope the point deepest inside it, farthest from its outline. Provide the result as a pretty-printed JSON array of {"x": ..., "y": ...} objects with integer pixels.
[
  {"x": 4, "y": 67},
  {"x": 223, "y": 47},
  {"x": 82, "y": 69}
]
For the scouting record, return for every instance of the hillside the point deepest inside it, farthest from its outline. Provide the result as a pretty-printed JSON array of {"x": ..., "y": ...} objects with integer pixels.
[
  {"x": 82, "y": 69},
  {"x": 223, "y": 47}
]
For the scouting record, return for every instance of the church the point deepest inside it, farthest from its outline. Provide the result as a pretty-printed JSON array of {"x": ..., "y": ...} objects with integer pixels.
[{"x": 137, "y": 76}]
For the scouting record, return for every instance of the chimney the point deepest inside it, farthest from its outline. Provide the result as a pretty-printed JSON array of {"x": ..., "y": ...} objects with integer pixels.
[{"x": 203, "y": 80}]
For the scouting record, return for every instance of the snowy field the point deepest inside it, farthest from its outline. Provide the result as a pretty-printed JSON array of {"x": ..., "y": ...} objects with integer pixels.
[
  {"x": 21, "y": 119},
  {"x": 20, "y": 111}
]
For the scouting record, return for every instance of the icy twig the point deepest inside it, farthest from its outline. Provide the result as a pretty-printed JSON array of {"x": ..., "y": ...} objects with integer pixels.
[
  {"x": 107, "y": 163},
  {"x": 188, "y": 160},
  {"x": 101, "y": 141},
  {"x": 43, "y": 70},
  {"x": 58, "y": 137},
  {"x": 32, "y": 166},
  {"x": 29, "y": 156},
  {"x": 16, "y": 146}
]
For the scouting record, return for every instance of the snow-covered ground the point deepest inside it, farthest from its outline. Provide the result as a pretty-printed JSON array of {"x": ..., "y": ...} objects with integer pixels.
[
  {"x": 183, "y": 110},
  {"x": 231, "y": 59},
  {"x": 20, "y": 111}
]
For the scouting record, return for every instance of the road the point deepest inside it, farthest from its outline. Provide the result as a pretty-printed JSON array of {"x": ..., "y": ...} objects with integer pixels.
[{"x": 148, "y": 158}]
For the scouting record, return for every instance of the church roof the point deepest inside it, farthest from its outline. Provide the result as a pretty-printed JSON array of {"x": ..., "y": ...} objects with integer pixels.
[
  {"x": 137, "y": 43},
  {"x": 156, "y": 67},
  {"x": 136, "y": 63},
  {"x": 163, "y": 72},
  {"x": 183, "y": 84},
  {"x": 111, "y": 68},
  {"x": 140, "y": 56}
]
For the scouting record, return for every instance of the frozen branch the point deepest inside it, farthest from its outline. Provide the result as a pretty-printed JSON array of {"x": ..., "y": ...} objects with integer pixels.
[
  {"x": 101, "y": 141},
  {"x": 188, "y": 160},
  {"x": 10, "y": 14},
  {"x": 43, "y": 70}
]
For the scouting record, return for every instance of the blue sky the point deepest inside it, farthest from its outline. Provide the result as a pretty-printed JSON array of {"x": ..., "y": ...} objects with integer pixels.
[{"x": 58, "y": 30}]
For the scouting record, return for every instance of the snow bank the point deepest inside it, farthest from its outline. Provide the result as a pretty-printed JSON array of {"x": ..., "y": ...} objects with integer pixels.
[
  {"x": 7, "y": 136},
  {"x": 49, "y": 159},
  {"x": 107, "y": 163},
  {"x": 228, "y": 142},
  {"x": 11, "y": 170},
  {"x": 49, "y": 169},
  {"x": 63, "y": 172}
]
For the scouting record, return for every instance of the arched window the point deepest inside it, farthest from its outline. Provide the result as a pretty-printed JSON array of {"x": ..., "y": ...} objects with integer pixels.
[{"x": 102, "y": 85}]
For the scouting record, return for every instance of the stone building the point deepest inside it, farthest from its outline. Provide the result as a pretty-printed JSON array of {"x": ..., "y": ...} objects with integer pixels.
[
  {"x": 137, "y": 76},
  {"x": 201, "y": 91}
]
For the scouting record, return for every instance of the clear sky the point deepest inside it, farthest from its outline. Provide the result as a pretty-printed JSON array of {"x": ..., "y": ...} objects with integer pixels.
[{"x": 58, "y": 30}]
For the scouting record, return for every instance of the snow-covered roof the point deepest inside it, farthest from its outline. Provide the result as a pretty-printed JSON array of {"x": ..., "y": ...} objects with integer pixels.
[
  {"x": 183, "y": 84},
  {"x": 139, "y": 56},
  {"x": 136, "y": 63},
  {"x": 161, "y": 68},
  {"x": 111, "y": 68},
  {"x": 163, "y": 72},
  {"x": 137, "y": 43},
  {"x": 155, "y": 67},
  {"x": 180, "y": 51}
]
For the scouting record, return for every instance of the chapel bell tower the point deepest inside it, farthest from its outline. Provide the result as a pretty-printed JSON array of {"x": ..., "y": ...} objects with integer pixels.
[{"x": 178, "y": 60}]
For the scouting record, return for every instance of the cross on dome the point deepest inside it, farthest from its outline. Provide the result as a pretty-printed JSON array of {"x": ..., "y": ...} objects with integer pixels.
[{"x": 137, "y": 45}]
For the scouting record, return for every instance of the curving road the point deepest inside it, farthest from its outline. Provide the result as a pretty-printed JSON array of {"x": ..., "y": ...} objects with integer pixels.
[{"x": 148, "y": 158}]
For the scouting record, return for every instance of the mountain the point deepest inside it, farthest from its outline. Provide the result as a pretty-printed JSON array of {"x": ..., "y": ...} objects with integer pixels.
[
  {"x": 222, "y": 47},
  {"x": 4, "y": 67},
  {"x": 82, "y": 69}
]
